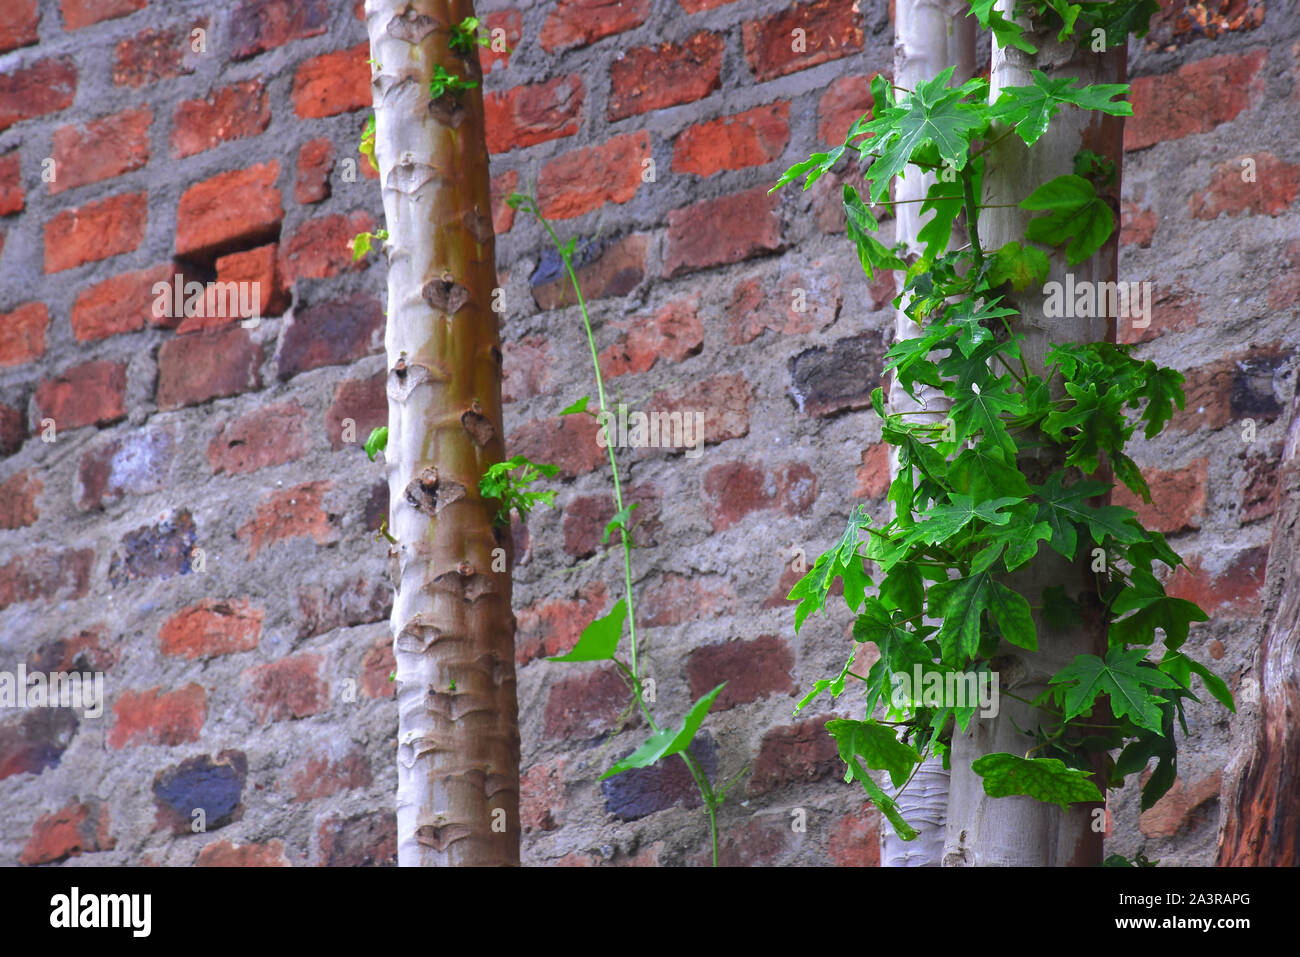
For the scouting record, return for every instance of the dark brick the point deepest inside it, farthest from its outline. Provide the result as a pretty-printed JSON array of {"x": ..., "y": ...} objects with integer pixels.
[
  {"x": 214, "y": 785},
  {"x": 354, "y": 602},
  {"x": 35, "y": 739},
  {"x": 159, "y": 551},
  {"x": 46, "y": 574},
  {"x": 88, "y": 650},
  {"x": 212, "y": 364},
  {"x": 364, "y": 840},
  {"x": 828, "y": 380},
  {"x": 665, "y": 784},
  {"x": 795, "y": 754},
  {"x": 335, "y": 332},
  {"x": 605, "y": 268},
  {"x": 587, "y": 705},
  {"x": 751, "y": 669},
  {"x": 260, "y": 25}
]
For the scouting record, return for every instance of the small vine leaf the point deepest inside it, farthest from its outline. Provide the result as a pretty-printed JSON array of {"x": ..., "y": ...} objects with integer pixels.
[
  {"x": 668, "y": 741},
  {"x": 600, "y": 639},
  {"x": 576, "y": 407},
  {"x": 377, "y": 442},
  {"x": 619, "y": 520}
]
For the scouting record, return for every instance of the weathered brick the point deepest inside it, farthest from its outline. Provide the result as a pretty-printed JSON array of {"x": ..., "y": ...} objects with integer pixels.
[
  {"x": 85, "y": 13},
  {"x": 239, "y": 208},
  {"x": 153, "y": 717},
  {"x": 1259, "y": 493},
  {"x": 673, "y": 332},
  {"x": 375, "y": 513},
  {"x": 568, "y": 441},
  {"x": 752, "y": 138},
  {"x": 655, "y": 77},
  {"x": 1180, "y": 22},
  {"x": 801, "y": 36},
  {"x": 525, "y": 369},
  {"x": 376, "y": 666},
  {"x": 552, "y": 628},
  {"x": 225, "y": 854},
  {"x": 605, "y": 269},
  {"x": 152, "y": 55},
  {"x": 1195, "y": 98},
  {"x": 723, "y": 230},
  {"x": 22, "y": 333},
  {"x": 35, "y": 739},
  {"x": 122, "y": 304},
  {"x": 12, "y": 196},
  {"x": 735, "y": 489},
  {"x": 93, "y": 393},
  {"x": 13, "y": 429},
  {"x": 214, "y": 786},
  {"x": 855, "y": 839},
  {"x": 163, "y": 550},
  {"x": 795, "y": 754},
  {"x": 260, "y": 265},
  {"x": 296, "y": 512},
  {"x": 1137, "y": 225},
  {"x": 260, "y": 25},
  {"x": 1183, "y": 806},
  {"x": 88, "y": 650},
  {"x": 46, "y": 86},
  {"x": 525, "y": 115},
  {"x": 365, "y": 840},
  {"x": 676, "y": 599},
  {"x": 286, "y": 689},
  {"x": 315, "y": 163},
  {"x": 724, "y": 400},
  {"x": 828, "y": 380},
  {"x": 230, "y": 113},
  {"x": 334, "y": 332},
  {"x": 576, "y": 23},
  {"x": 320, "y": 248},
  {"x": 752, "y": 670},
  {"x": 578, "y": 182},
  {"x": 44, "y": 574},
  {"x": 873, "y": 474},
  {"x": 320, "y": 775},
  {"x": 845, "y": 101},
  {"x": 1223, "y": 585},
  {"x": 798, "y": 302},
  {"x": 211, "y": 628},
  {"x": 333, "y": 83},
  {"x": 1177, "y": 498},
  {"x": 211, "y": 364},
  {"x": 1235, "y": 387},
  {"x": 586, "y": 705},
  {"x": 665, "y": 784},
  {"x": 18, "y": 500},
  {"x": 503, "y": 215},
  {"x": 101, "y": 149},
  {"x": 511, "y": 22},
  {"x": 1271, "y": 190},
  {"x": 271, "y": 435},
  {"x": 359, "y": 407},
  {"x": 19, "y": 20},
  {"x": 356, "y": 601},
  {"x": 1171, "y": 310},
  {"x": 757, "y": 843},
  {"x": 95, "y": 231},
  {"x": 542, "y": 797},
  {"x": 138, "y": 462},
  {"x": 72, "y": 830},
  {"x": 586, "y": 517}
]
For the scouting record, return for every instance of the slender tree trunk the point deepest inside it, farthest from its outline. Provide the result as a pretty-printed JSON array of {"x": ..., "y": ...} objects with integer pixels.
[
  {"x": 929, "y": 36},
  {"x": 1261, "y": 791},
  {"x": 458, "y": 729},
  {"x": 1021, "y": 831}
]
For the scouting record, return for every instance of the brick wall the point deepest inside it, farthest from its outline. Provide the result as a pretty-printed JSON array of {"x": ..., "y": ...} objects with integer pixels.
[{"x": 201, "y": 528}]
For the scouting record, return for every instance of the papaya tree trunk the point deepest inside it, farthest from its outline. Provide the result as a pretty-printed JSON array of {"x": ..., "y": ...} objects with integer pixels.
[
  {"x": 1261, "y": 790},
  {"x": 929, "y": 36},
  {"x": 458, "y": 729},
  {"x": 1020, "y": 831}
]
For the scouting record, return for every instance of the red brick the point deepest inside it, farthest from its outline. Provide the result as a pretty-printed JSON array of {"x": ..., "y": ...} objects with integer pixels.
[
  {"x": 1181, "y": 807},
  {"x": 576, "y": 23},
  {"x": 319, "y": 248},
  {"x": 207, "y": 365},
  {"x": 617, "y": 268},
  {"x": 586, "y": 516},
  {"x": 261, "y": 266},
  {"x": 18, "y": 24},
  {"x": 654, "y": 77},
  {"x": 13, "y": 429},
  {"x": 260, "y": 25},
  {"x": 69, "y": 832},
  {"x": 524, "y": 115},
  {"x": 512, "y": 22},
  {"x": 798, "y": 302},
  {"x": 365, "y": 402},
  {"x": 320, "y": 776},
  {"x": 1137, "y": 225},
  {"x": 855, "y": 839},
  {"x": 503, "y": 216},
  {"x": 585, "y": 705},
  {"x": 22, "y": 333},
  {"x": 724, "y": 400},
  {"x": 552, "y": 628},
  {"x": 568, "y": 441},
  {"x": 1259, "y": 494},
  {"x": 237, "y": 208},
  {"x": 93, "y": 393},
  {"x": 333, "y": 83},
  {"x": 697, "y": 6},
  {"x": 845, "y": 101},
  {"x": 231, "y": 113},
  {"x": 873, "y": 474},
  {"x": 526, "y": 368},
  {"x": 12, "y": 197},
  {"x": 1172, "y": 310},
  {"x": 334, "y": 332},
  {"x": 541, "y": 796},
  {"x": 795, "y": 754},
  {"x": 18, "y": 500},
  {"x": 736, "y": 489},
  {"x": 578, "y": 182},
  {"x": 831, "y": 29},
  {"x": 153, "y": 55},
  {"x": 673, "y": 332},
  {"x": 155, "y": 718},
  {"x": 756, "y": 843},
  {"x": 286, "y": 689},
  {"x": 84, "y": 13},
  {"x": 315, "y": 163},
  {"x": 752, "y": 138},
  {"x": 211, "y": 628},
  {"x": 1274, "y": 189},
  {"x": 676, "y": 599},
  {"x": 46, "y": 86},
  {"x": 296, "y": 512},
  {"x": 1195, "y": 98},
  {"x": 43, "y": 574},
  {"x": 270, "y": 435},
  {"x": 1233, "y": 587},
  {"x": 225, "y": 854},
  {"x": 121, "y": 304},
  {"x": 376, "y": 666},
  {"x": 100, "y": 149},
  {"x": 95, "y": 231},
  {"x": 1177, "y": 498},
  {"x": 723, "y": 230}
]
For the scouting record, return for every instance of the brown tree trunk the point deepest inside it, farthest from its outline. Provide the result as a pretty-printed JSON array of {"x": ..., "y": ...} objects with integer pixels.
[
  {"x": 458, "y": 729},
  {"x": 1261, "y": 791}
]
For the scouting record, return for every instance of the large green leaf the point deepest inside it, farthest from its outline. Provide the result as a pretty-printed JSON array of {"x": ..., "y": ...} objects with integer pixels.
[
  {"x": 1075, "y": 214},
  {"x": 668, "y": 741},
  {"x": 1044, "y": 779},
  {"x": 1061, "y": 507},
  {"x": 1124, "y": 677},
  {"x": 840, "y": 561},
  {"x": 1180, "y": 667},
  {"x": 942, "y": 522},
  {"x": 962, "y": 602},
  {"x": 1030, "y": 108},
  {"x": 877, "y": 745}
]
